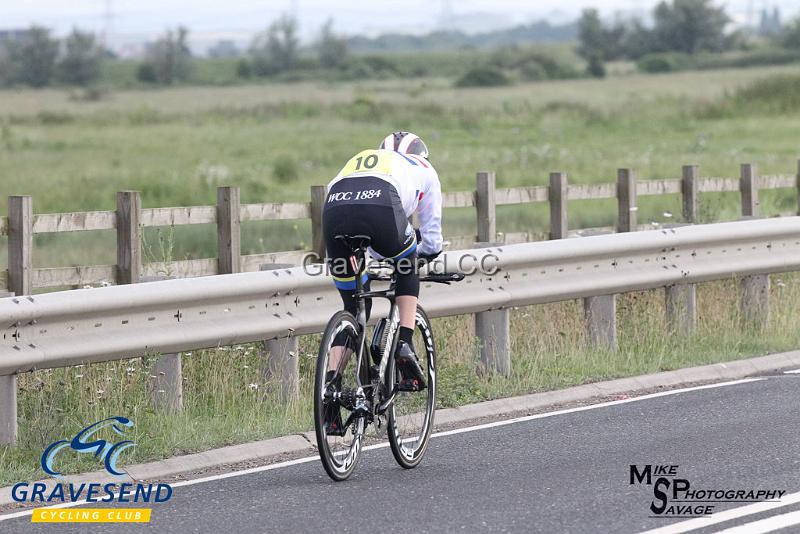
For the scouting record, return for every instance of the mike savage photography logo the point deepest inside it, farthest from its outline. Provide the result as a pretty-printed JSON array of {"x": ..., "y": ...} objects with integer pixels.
[
  {"x": 674, "y": 497},
  {"x": 104, "y": 451}
]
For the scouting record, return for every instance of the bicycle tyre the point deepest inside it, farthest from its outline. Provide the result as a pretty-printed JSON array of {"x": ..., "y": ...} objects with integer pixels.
[
  {"x": 338, "y": 469},
  {"x": 409, "y": 456}
]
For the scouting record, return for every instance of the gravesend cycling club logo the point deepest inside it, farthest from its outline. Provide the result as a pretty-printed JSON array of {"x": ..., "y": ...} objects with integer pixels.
[
  {"x": 675, "y": 497},
  {"x": 108, "y": 452},
  {"x": 83, "y": 443}
]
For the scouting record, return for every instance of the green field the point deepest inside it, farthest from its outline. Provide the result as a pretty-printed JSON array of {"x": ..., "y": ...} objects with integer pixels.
[
  {"x": 177, "y": 145},
  {"x": 274, "y": 141}
]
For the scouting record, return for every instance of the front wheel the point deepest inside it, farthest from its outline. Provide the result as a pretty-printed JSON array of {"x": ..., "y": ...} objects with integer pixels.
[
  {"x": 339, "y": 444},
  {"x": 410, "y": 418}
]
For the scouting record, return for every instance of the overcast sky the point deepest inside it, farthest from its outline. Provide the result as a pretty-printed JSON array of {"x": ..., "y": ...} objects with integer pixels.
[{"x": 127, "y": 20}]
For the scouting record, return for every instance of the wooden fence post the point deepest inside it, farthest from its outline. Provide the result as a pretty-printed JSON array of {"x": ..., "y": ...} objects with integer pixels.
[
  {"x": 20, "y": 245},
  {"x": 491, "y": 327},
  {"x": 681, "y": 299},
  {"x": 485, "y": 207},
  {"x": 557, "y": 196},
  {"x": 754, "y": 289},
  {"x": 318, "y": 195},
  {"x": 626, "y": 200},
  {"x": 689, "y": 192},
  {"x": 20, "y": 282},
  {"x": 229, "y": 242},
  {"x": 129, "y": 237},
  {"x": 749, "y": 189}
]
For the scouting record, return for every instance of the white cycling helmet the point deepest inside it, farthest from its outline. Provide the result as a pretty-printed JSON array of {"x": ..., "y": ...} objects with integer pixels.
[{"x": 405, "y": 143}]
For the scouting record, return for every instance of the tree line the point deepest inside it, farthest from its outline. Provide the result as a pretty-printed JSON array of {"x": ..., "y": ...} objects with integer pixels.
[
  {"x": 680, "y": 29},
  {"x": 38, "y": 59},
  {"x": 687, "y": 27}
]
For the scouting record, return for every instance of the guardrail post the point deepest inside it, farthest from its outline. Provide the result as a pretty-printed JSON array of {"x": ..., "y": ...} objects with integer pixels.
[
  {"x": 229, "y": 242},
  {"x": 20, "y": 244},
  {"x": 281, "y": 364},
  {"x": 681, "y": 306},
  {"x": 689, "y": 192},
  {"x": 318, "y": 194},
  {"x": 167, "y": 386},
  {"x": 485, "y": 207},
  {"x": 600, "y": 314},
  {"x": 281, "y": 357},
  {"x": 491, "y": 327},
  {"x": 749, "y": 190},
  {"x": 755, "y": 300},
  {"x": 8, "y": 409},
  {"x": 557, "y": 195},
  {"x": 681, "y": 299},
  {"x": 626, "y": 200},
  {"x": 129, "y": 237}
]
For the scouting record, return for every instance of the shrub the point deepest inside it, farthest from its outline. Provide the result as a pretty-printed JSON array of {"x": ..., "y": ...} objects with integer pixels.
[
  {"x": 483, "y": 77},
  {"x": 80, "y": 64},
  {"x": 596, "y": 68},
  {"x": 243, "y": 69},
  {"x": 775, "y": 94},
  {"x": 146, "y": 73},
  {"x": 665, "y": 62},
  {"x": 779, "y": 94},
  {"x": 533, "y": 71},
  {"x": 285, "y": 169}
]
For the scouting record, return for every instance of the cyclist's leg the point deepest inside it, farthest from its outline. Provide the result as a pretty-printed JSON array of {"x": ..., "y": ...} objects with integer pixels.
[
  {"x": 344, "y": 220},
  {"x": 406, "y": 295}
]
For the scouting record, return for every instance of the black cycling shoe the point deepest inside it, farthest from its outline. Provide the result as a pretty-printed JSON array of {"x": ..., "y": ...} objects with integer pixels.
[
  {"x": 413, "y": 378},
  {"x": 333, "y": 415}
]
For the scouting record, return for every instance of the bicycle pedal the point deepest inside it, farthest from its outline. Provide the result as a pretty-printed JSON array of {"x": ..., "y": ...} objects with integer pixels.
[{"x": 410, "y": 385}]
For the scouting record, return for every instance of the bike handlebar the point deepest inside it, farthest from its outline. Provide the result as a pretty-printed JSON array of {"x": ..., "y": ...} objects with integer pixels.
[{"x": 438, "y": 278}]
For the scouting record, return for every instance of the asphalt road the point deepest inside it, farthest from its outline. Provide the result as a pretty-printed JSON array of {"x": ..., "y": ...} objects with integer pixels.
[{"x": 568, "y": 472}]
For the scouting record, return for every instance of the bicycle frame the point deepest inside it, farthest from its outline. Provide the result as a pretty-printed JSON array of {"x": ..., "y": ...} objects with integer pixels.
[{"x": 391, "y": 340}]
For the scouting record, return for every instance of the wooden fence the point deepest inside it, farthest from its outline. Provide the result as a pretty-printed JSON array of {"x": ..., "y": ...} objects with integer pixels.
[{"x": 129, "y": 218}]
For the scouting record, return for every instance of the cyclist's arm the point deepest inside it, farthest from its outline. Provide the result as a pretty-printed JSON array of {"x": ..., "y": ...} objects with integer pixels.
[{"x": 430, "y": 215}]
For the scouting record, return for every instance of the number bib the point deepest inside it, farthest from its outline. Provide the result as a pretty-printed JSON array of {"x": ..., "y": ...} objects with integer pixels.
[{"x": 377, "y": 161}]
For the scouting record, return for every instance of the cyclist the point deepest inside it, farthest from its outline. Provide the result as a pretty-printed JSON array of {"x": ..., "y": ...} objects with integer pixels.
[{"x": 374, "y": 194}]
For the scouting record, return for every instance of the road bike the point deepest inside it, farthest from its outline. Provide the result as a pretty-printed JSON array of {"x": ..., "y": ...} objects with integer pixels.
[{"x": 367, "y": 388}]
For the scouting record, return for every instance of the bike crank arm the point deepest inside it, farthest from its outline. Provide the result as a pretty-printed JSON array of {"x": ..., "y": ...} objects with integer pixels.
[{"x": 388, "y": 402}]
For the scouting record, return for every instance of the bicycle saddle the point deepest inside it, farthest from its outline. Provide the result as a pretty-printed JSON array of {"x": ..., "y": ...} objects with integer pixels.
[{"x": 354, "y": 242}]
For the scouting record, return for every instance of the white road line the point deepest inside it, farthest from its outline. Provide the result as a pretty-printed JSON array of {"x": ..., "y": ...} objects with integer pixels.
[
  {"x": 769, "y": 524},
  {"x": 792, "y": 372},
  {"x": 435, "y": 434},
  {"x": 727, "y": 515}
]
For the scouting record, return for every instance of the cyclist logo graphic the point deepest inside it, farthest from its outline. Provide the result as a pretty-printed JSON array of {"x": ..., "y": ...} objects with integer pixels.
[{"x": 83, "y": 443}]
